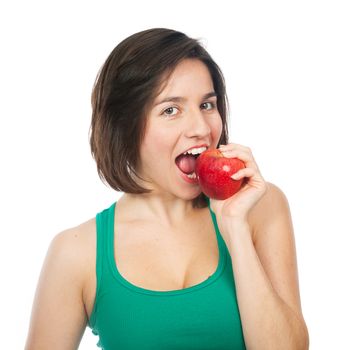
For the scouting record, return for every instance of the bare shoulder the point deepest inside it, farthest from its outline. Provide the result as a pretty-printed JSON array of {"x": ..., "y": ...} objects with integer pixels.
[
  {"x": 273, "y": 203},
  {"x": 59, "y": 315},
  {"x": 78, "y": 240},
  {"x": 75, "y": 250},
  {"x": 72, "y": 252}
]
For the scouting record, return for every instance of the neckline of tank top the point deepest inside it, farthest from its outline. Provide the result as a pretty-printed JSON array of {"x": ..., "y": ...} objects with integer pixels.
[{"x": 116, "y": 274}]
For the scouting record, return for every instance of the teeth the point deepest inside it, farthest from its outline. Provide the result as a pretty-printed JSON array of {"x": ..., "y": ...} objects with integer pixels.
[
  {"x": 192, "y": 176},
  {"x": 198, "y": 150}
]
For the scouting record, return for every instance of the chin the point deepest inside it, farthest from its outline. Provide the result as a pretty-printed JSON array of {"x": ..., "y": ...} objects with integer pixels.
[{"x": 189, "y": 195}]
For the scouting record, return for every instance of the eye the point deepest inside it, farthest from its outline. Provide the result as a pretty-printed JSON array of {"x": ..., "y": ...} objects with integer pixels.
[
  {"x": 209, "y": 105},
  {"x": 170, "y": 111}
]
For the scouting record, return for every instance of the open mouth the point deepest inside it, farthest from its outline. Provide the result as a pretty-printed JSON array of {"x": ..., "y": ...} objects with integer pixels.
[
  {"x": 187, "y": 164},
  {"x": 186, "y": 161}
]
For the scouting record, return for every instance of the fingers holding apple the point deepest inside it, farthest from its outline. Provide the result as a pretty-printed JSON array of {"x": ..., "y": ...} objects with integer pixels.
[
  {"x": 245, "y": 154},
  {"x": 230, "y": 174},
  {"x": 233, "y": 150}
]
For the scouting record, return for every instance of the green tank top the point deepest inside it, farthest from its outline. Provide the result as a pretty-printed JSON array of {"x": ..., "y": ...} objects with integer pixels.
[{"x": 127, "y": 317}]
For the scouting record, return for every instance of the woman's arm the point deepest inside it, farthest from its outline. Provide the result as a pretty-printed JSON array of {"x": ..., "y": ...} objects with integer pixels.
[
  {"x": 257, "y": 228},
  {"x": 265, "y": 272},
  {"x": 58, "y": 317}
]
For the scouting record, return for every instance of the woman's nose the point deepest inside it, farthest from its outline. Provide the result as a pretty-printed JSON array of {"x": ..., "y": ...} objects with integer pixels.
[{"x": 197, "y": 125}]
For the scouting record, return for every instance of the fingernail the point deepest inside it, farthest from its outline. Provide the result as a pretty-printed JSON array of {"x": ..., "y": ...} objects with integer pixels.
[{"x": 235, "y": 176}]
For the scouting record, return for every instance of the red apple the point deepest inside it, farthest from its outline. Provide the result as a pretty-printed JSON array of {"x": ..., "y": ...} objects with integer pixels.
[{"x": 214, "y": 173}]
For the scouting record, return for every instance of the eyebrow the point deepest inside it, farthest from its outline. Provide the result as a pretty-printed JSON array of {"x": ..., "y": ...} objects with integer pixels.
[{"x": 181, "y": 99}]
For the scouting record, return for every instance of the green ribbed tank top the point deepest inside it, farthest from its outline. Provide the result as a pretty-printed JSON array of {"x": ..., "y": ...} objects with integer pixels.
[{"x": 127, "y": 317}]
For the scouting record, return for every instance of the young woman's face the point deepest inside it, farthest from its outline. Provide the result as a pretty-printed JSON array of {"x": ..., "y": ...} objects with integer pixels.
[{"x": 184, "y": 115}]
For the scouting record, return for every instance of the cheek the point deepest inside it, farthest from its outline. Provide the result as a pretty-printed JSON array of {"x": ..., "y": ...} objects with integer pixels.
[
  {"x": 157, "y": 140},
  {"x": 155, "y": 143},
  {"x": 217, "y": 128}
]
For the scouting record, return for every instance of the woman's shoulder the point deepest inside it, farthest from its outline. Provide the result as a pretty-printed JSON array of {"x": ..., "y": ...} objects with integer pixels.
[
  {"x": 79, "y": 236},
  {"x": 74, "y": 248},
  {"x": 59, "y": 307},
  {"x": 271, "y": 203},
  {"x": 273, "y": 195}
]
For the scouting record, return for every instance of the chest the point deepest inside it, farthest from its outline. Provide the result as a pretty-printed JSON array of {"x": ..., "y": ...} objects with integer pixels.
[{"x": 152, "y": 257}]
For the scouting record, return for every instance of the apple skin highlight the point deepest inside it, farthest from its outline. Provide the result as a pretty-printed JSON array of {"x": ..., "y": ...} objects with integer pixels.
[{"x": 214, "y": 173}]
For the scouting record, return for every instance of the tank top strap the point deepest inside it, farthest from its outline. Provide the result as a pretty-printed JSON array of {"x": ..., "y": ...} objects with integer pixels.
[
  {"x": 104, "y": 229},
  {"x": 221, "y": 241}
]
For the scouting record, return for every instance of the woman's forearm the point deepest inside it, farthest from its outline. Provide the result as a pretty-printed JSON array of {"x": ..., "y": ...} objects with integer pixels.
[{"x": 267, "y": 321}]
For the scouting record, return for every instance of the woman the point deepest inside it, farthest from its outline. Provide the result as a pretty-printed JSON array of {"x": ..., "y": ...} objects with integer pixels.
[{"x": 165, "y": 267}]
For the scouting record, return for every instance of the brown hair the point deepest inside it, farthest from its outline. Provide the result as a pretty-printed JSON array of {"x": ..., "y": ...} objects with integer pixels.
[{"x": 125, "y": 86}]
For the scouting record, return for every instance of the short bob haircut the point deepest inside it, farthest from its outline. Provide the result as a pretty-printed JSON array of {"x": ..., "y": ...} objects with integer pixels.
[{"x": 126, "y": 86}]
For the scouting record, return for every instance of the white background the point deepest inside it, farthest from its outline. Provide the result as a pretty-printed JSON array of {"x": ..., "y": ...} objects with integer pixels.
[{"x": 286, "y": 65}]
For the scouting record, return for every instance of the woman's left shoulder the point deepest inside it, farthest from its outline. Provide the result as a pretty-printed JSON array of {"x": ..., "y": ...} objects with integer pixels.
[
  {"x": 273, "y": 205},
  {"x": 274, "y": 196}
]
